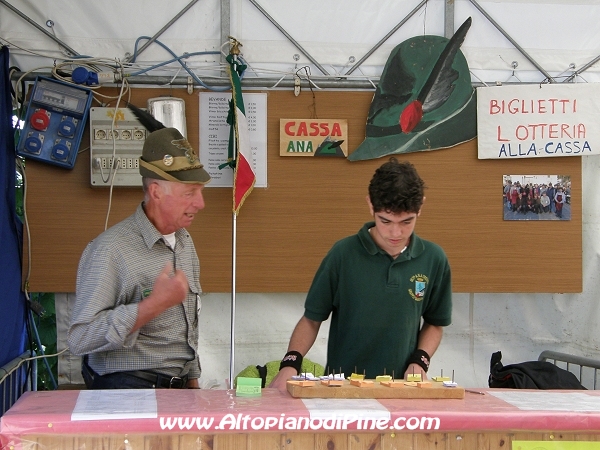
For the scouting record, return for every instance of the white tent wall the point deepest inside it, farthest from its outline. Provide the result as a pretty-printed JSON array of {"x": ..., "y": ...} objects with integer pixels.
[{"x": 561, "y": 37}]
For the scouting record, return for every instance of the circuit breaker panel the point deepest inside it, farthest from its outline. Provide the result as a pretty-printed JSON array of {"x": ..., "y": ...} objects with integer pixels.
[
  {"x": 115, "y": 147},
  {"x": 54, "y": 122}
]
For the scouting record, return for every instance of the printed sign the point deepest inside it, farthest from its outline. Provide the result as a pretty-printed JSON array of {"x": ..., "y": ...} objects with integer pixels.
[
  {"x": 541, "y": 120},
  {"x": 214, "y": 136},
  {"x": 313, "y": 137}
]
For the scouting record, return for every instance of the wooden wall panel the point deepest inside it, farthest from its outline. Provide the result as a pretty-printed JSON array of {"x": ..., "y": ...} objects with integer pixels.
[{"x": 284, "y": 230}]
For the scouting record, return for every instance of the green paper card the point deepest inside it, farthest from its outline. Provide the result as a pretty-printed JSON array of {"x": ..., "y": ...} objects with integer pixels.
[{"x": 248, "y": 387}]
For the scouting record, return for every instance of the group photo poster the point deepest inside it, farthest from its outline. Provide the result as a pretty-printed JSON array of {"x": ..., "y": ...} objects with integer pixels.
[{"x": 536, "y": 197}]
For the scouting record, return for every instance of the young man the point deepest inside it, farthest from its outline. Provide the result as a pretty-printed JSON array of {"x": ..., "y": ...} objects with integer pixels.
[
  {"x": 387, "y": 290},
  {"x": 137, "y": 296}
]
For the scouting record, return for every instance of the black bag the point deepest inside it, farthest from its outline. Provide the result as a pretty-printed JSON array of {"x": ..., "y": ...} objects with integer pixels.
[{"x": 530, "y": 375}]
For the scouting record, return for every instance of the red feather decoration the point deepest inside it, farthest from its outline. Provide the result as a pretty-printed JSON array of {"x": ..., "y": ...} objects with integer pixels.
[{"x": 411, "y": 116}]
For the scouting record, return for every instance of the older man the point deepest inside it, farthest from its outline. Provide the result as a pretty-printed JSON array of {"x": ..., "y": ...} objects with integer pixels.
[{"x": 135, "y": 318}]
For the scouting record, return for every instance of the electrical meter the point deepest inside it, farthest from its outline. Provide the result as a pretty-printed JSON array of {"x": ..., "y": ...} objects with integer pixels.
[{"x": 54, "y": 122}]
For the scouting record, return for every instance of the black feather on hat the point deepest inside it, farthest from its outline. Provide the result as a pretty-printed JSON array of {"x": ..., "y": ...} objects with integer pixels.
[{"x": 145, "y": 118}]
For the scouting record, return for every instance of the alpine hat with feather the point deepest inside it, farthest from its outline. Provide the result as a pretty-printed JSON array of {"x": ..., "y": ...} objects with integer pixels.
[
  {"x": 166, "y": 154},
  {"x": 424, "y": 100}
]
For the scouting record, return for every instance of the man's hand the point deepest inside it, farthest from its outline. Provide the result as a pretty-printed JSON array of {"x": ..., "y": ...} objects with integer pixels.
[
  {"x": 416, "y": 370},
  {"x": 279, "y": 382},
  {"x": 170, "y": 289},
  {"x": 430, "y": 337}
]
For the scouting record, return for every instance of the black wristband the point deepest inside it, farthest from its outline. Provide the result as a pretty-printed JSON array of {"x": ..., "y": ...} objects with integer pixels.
[
  {"x": 420, "y": 357},
  {"x": 292, "y": 359}
]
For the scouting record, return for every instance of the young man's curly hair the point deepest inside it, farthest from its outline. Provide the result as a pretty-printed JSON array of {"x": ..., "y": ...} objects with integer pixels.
[{"x": 396, "y": 187}]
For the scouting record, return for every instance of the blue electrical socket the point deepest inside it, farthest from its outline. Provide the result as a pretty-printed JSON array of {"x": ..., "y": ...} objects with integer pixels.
[{"x": 54, "y": 122}]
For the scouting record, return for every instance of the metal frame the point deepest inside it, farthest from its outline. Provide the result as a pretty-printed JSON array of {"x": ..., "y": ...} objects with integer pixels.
[
  {"x": 512, "y": 41},
  {"x": 15, "y": 380},
  {"x": 288, "y": 36},
  {"x": 163, "y": 29},
  {"x": 340, "y": 82},
  {"x": 40, "y": 28},
  {"x": 572, "y": 360}
]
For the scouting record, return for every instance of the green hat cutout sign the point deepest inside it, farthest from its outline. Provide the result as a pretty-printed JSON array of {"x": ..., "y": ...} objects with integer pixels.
[{"x": 424, "y": 100}]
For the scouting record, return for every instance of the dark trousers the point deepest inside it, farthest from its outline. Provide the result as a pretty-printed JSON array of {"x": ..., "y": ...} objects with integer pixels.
[{"x": 127, "y": 380}]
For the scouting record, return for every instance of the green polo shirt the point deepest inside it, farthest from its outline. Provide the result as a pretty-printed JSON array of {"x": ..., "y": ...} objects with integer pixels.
[{"x": 377, "y": 302}]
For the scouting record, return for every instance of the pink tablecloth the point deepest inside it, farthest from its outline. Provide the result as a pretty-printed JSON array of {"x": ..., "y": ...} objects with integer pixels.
[{"x": 220, "y": 411}]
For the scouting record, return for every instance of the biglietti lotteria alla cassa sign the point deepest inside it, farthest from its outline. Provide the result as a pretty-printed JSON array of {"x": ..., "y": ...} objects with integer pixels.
[
  {"x": 538, "y": 121},
  {"x": 313, "y": 137}
]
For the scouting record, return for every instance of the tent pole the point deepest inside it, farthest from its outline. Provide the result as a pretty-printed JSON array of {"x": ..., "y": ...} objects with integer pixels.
[
  {"x": 512, "y": 41},
  {"x": 162, "y": 30},
  {"x": 39, "y": 27},
  {"x": 385, "y": 38},
  {"x": 290, "y": 38}
]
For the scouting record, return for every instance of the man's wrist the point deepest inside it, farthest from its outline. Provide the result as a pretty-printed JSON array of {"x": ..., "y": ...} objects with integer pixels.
[
  {"x": 420, "y": 357},
  {"x": 292, "y": 359}
]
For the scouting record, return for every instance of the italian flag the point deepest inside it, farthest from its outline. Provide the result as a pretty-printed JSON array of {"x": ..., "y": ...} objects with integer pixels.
[{"x": 243, "y": 175}]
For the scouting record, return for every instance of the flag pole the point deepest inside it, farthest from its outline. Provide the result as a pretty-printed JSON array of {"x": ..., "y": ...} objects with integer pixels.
[
  {"x": 233, "y": 51},
  {"x": 244, "y": 176},
  {"x": 233, "y": 290}
]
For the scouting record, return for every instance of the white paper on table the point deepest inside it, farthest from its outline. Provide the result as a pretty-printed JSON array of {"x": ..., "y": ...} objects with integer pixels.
[
  {"x": 549, "y": 401},
  {"x": 115, "y": 404}
]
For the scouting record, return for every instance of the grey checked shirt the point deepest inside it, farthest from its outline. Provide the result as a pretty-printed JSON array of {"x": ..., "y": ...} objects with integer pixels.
[{"x": 117, "y": 270}]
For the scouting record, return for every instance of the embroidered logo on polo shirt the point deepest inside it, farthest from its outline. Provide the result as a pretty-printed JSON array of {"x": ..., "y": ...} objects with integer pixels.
[{"x": 420, "y": 282}]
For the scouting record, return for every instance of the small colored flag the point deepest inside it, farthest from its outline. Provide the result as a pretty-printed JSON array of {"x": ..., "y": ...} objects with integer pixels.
[{"x": 239, "y": 142}]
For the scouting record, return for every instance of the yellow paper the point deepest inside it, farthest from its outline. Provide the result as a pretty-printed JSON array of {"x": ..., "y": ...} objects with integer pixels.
[
  {"x": 357, "y": 376},
  {"x": 555, "y": 445},
  {"x": 381, "y": 378},
  {"x": 441, "y": 378}
]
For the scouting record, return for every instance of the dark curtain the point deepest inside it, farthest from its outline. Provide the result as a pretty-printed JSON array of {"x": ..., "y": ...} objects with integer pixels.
[{"x": 12, "y": 298}]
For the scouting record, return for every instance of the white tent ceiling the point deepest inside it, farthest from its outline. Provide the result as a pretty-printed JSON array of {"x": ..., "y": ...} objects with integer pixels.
[{"x": 533, "y": 39}]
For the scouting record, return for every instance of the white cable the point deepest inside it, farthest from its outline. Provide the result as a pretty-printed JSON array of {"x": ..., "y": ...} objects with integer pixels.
[
  {"x": 367, "y": 77},
  {"x": 116, "y": 165},
  {"x": 31, "y": 52},
  {"x": 278, "y": 81},
  {"x": 23, "y": 360},
  {"x": 19, "y": 162}
]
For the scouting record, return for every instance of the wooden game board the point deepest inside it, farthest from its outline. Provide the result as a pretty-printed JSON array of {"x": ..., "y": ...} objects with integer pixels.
[{"x": 376, "y": 390}]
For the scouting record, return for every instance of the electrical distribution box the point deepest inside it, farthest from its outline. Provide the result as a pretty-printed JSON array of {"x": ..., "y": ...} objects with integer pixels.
[
  {"x": 115, "y": 147},
  {"x": 54, "y": 122}
]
